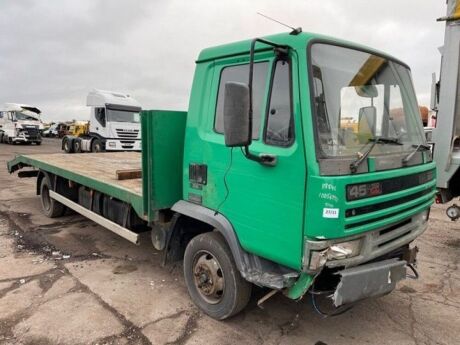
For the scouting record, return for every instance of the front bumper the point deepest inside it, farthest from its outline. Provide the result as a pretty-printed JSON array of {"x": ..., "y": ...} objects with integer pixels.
[
  {"x": 25, "y": 137},
  {"x": 371, "y": 280},
  {"x": 122, "y": 145}
]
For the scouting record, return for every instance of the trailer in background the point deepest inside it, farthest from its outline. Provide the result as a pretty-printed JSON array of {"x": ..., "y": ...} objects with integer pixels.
[{"x": 446, "y": 102}]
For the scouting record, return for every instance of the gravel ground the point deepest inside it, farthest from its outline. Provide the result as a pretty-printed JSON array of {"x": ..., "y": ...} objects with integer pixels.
[{"x": 69, "y": 281}]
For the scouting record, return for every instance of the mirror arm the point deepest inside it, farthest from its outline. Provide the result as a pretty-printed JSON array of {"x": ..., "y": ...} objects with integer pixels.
[
  {"x": 263, "y": 158},
  {"x": 281, "y": 48}
]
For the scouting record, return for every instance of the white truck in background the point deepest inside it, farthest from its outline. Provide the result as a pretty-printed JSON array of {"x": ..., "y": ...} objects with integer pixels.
[
  {"x": 20, "y": 123},
  {"x": 446, "y": 103},
  {"x": 114, "y": 124}
]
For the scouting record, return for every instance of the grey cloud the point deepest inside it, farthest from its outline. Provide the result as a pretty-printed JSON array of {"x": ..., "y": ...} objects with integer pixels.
[{"x": 53, "y": 52}]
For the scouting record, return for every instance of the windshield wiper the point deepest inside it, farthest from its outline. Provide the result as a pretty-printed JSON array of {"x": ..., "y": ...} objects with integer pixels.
[
  {"x": 382, "y": 140},
  {"x": 419, "y": 147}
]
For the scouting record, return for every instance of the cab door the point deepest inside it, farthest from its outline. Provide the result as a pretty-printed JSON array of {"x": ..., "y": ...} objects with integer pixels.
[{"x": 265, "y": 204}]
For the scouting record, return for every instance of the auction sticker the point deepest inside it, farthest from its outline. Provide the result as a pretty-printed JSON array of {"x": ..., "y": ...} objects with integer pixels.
[{"x": 330, "y": 213}]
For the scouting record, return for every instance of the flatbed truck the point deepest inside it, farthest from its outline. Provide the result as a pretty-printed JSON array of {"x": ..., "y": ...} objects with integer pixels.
[{"x": 259, "y": 183}]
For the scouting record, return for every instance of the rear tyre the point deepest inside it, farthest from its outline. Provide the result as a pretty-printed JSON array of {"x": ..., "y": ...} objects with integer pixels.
[
  {"x": 96, "y": 146},
  {"x": 51, "y": 207},
  {"x": 212, "y": 278},
  {"x": 77, "y": 146},
  {"x": 67, "y": 145}
]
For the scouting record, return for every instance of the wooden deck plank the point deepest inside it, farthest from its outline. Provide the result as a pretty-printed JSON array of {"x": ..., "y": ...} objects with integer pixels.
[{"x": 98, "y": 166}]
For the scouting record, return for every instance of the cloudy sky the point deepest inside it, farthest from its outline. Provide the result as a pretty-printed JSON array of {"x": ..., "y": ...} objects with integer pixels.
[{"x": 53, "y": 52}]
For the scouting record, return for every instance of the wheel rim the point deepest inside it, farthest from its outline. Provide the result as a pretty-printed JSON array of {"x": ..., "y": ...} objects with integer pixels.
[
  {"x": 208, "y": 277},
  {"x": 66, "y": 145},
  {"x": 46, "y": 198},
  {"x": 97, "y": 147}
]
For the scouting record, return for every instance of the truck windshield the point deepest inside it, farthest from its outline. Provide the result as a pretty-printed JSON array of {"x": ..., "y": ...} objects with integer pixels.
[
  {"x": 122, "y": 116},
  {"x": 23, "y": 116},
  {"x": 358, "y": 97}
]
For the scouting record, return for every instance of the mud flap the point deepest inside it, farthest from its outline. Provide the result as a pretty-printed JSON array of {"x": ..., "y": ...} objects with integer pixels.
[{"x": 371, "y": 280}]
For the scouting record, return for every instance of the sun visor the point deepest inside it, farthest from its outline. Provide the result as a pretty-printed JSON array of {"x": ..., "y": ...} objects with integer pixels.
[{"x": 123, "y": 107}]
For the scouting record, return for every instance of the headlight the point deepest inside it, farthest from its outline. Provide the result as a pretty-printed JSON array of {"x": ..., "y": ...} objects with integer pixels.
[
  {"x": 344, "y": 250},
  {"x": 336, "y": 251}
]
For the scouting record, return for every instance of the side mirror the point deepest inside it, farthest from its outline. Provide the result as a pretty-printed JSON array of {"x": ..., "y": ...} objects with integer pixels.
[
  {"x": 367, "y": 121},
  {"x": 236, "y": 115}
]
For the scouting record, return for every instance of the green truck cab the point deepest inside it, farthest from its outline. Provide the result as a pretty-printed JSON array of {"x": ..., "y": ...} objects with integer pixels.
[{"x": 300, "y": 165}]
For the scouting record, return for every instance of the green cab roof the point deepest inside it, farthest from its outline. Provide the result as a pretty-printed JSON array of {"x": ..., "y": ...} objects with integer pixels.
[{"x": 297, "y": 42}]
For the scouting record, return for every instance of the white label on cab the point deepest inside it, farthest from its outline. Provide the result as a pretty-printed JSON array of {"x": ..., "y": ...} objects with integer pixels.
[{"x": 330, "y": 213}]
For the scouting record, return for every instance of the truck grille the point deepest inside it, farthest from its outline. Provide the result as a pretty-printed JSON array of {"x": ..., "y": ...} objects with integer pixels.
[
  {"x": 127, "y": 144},
  {"x": 396, "y": 184},
  {"x": 386, "y": 204},
  {"x": 127, "y": 133},
  {"x": 31, "y": 133},
  {"x": 374, "y": 214}
]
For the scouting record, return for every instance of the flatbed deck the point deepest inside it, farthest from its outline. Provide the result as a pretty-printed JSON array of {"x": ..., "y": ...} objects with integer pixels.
[
  {"x": 94, "y": 170},
  {"x": 98, "y": 166}
]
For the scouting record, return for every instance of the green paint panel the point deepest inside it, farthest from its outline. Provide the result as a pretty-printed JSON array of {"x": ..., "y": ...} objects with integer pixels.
[
  {"x": 300, "y": 287},
  {"x": 162, "y": 158}
]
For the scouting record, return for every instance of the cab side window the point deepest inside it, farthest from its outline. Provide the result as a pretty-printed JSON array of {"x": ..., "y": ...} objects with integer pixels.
[
  {"x": 240, "y": 73},
  {"x": 280, "y": 124},
  {"x": 100, "y": 115}
]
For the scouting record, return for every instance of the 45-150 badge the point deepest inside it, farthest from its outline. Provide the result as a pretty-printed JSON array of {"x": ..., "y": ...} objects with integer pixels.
[{"x": 359, "y": 191}]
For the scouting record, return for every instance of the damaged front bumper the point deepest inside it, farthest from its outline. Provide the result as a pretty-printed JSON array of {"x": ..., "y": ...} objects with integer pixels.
[{"x": 371, "y": 280}]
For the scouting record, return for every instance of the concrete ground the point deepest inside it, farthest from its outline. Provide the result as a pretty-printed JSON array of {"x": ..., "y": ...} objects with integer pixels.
[{"x": 69, "y": 281}]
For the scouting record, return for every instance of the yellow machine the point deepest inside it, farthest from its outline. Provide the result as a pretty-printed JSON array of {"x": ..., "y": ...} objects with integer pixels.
[{"x": 78, "y": 128}]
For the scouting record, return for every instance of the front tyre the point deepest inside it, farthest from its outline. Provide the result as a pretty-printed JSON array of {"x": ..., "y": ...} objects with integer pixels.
[
  {"x": 96, "y": 146},
  {"x": 213, "y": 281}
]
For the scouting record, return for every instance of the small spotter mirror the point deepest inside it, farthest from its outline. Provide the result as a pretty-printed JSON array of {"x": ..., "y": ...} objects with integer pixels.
[{"x": 367, "y": 91}]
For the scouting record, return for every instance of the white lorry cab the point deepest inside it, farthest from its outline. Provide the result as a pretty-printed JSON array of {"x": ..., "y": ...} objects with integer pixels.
[
  {"x": 20, "y": 123},
  {"x": 114, "y": 124}
]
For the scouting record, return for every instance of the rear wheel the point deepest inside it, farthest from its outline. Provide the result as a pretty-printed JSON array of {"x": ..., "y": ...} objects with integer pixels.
[
  {"x": 67, "y": 145},
  {"x": 51, "y": 207},
  {"x": 96, "y": 146},
  {"x": 77, "y": 146},
  {"x": 212, "y": 278}
]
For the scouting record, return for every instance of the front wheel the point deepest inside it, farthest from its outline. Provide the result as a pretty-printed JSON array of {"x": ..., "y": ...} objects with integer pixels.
[
  {"x": 96, "y": 146},
  {"x": 213, "y": 281}
]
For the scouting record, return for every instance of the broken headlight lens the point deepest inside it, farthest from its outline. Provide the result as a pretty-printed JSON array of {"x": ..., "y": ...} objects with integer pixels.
[
  {"x": 336, "y": 251},
  {"x": 344, "y": 250}
]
